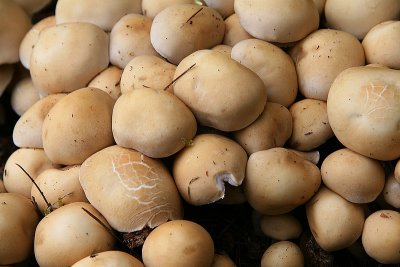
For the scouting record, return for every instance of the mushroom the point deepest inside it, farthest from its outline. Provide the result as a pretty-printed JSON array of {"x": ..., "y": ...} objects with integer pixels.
[
  {"x": 380, "y": 236},
  {"x": 321, "y": 56},
  {"x": 223, "y": 49},
  {"x": 103, "y": 13},
  {"x": 178, "y": 243},
  {"x": 153, "y": 122},
  {"x": 24, "y": 95},
  {"x": 283, "y": 253},
  {"x": 278, "y": 180},
  {"x": 28, "y": 129},
  {"x": 234, "y": 32},
  {"x": 281, "y": 227},
  {"x": 67, "y": 56},
  {"x": 77, "y": 126},
  {"x": 182, "y": 29},
  {"x": 151, "y": 8},
  {"x": 221, "y": 92},
  {"x": 271, "y": 129},
  {"x": 130, "y": 37},
  {"x": 364, "y": 111},
  {"x": 224, "y": 7},
  {"x": 335, "y": 222},
  {"x": 109, "y": 258},
  {"x": 18, "y": 220},
  {"x": 15, "y": 23},
  {"x": 272, "y": 65},
  {"x": 109, "y": 81},
  {"x": 359, "y": 16},
  {"x": 222, "y": 261},
  {"x": 354, "y": 177},
  {"x": 201, "y": 168},
  {"x": 70, "y": 234},
  {"x": 6, "y": 75},
  {"x": 391, "y": 192},
  {"x": 263, "y": 19},
  {"x": 130, "y": 190}
]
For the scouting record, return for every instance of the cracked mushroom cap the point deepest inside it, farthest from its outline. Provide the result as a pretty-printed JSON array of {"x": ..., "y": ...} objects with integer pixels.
[
  {"x": 201, "y": 168},
  {"x": 130, "y": 190}
]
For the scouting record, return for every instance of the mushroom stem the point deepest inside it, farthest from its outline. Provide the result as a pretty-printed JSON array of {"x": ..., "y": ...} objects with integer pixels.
[{"x": 177, "y": 78}]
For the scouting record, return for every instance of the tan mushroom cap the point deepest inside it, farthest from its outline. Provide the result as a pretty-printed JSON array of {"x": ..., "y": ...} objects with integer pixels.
[
  {"x": 234, "y": 32},
  {"x": 6, "y": 75},
  {"x": 380, "y": 44},
  {"x": 67, "y": 56},
  {"x": 32, "y": 6},
  {"x": 34, "y": 161},
  {"x": 103, "y": 13},
  {"x": 335, "y": 222},
  {"x": 18, "y": 220},
  {"x": 380, "y": 236},
  {"x": 175, "y": 34},
  {"x": 359, "y": 16},
  {"x": 201, "y": 168},
  {"x": 109, "y": 258},
  {"x": 69, "y": 234},
  {"x": 28, "y": 129},
  {"x": 391, "y": 192},
  {"x": 153, "y": 122},
  {"x": 60, "y": 187},
  {"x": 151, "y": 8},
  {"x": 129, "y": 38},
  {"x": 278, "y": 180},
  {"x": 24, "y": 95},
  {"x": 264, "y": 19},
  {"x": 31, "y": 37},
  {"x": 224, "y": 49},
  {"x": 221, "y": 92},
  {"x": 283, "y": 253},
  {"x": 364, "y": 111},
  {"x": 356, "y": 178},
  {"x": 222, "y": 261},
  {"x": 15, "y": 23},
  {"x": 178, "y": 243},
  {"x": 281, "y": 227},
  {"x": 109, "y": 81},
  {"x": 131, "y": 190},
  {"x": 147, "y": 71},
  {"x": 224, "y": 7},
  {"x": 271, "y": 129},
  {"x": 321, "y": 56}
]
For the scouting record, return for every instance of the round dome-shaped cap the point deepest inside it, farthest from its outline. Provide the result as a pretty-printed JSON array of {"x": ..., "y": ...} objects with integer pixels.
[
  {"x": 283, "y": 253},
  {"x": 109, "y": 81},
  {"x": 109, "y": 258},
  {"x": 151, "y": 8},
  {"x": 24, "y": 95}
]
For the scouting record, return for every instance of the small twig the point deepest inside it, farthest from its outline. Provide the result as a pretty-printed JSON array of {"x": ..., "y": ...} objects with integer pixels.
[
  {"x": 177, "y": 78},
  {"x": 49, "y": 207},
  {"x": 102, "y": 224},
  {"x": 192, "y": 16}
]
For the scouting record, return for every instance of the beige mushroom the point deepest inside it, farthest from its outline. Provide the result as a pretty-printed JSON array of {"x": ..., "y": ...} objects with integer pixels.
[
  {"x": 272, "y": 65},
  {"x": 151, "y": 8},
  {"x": 380, "y": 236},
  {"x": 283, "y": 253},
  {"x": 182, "y": 29},
  {"x": 178, "y": 243},
  {"x": 224, "y": 7},
  {"x": 222, "y": 261},
  {"x": 28, "y": 129},
  {"x": 109, "y": 258},
  {"x": 24, "y": 95},
  {"x": 130, "y": 190},
  {"x": 67, "y": 56},
  {"x": 103, "y": 13},
  {"x": 77, "y": 126},
  {"x": 109, "y": 81},
  {"x": 354, "y": 177},
  {"x": 281, "y": 227},
  {"x": 6, "y": 75},
  {"x": 391, "y": 192},
  {"x": 335, "y": 222},
  {"x": 18, "y": 220},
  {"x": 321, "y": 56},
  {"x": 224, "y": 49},
  {"x": 234, "y": 32},
  {"x": 201, "y": 168}
]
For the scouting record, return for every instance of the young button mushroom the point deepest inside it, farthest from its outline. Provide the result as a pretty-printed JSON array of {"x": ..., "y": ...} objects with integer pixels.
[
  {"x": 201, "y": 168},
  {"x": 24, "y": 95},
  {"x": 67, "y": 56},
  {"x": 130, "y": 190},
  {"x": 182, "y": 29},
  {"x": 234, "y": 32},
  {"x": 364, "y": 111},
  {"x": 271, "y": 129},
  {"x": 264, "y": 20},
  {"x": 224, "y": 7},
  {"x": 151, "y": 8},
  {"x": 380, "y": 236},
  {"x": 103, "y": 13},
  {"x": 221, "y": 92},
  {"x": 28, "y": 129},
  {"x": 70, "y": 234},
  {"x": 18, "y": 220},
  {"x": 354, "y": 177},
  {"x": 281, "y": 227},
  {"x": 321, "y": 56},
  {"x": 130, "y": 37},
  {"x": 391, "y": 191},
  {"x": 178, "y": 243},
  {"x": 153, "y": 122},
  {"x": 278, "y": 180},
  {"x": 222, "y": 261},
  {"x": 335, "y": 222},
  {"x": 283, "y": 253},
  {"x": 77, "y": 126},
  {"x": 109, "y": 81},
  {"x": 109, "y": 258}
]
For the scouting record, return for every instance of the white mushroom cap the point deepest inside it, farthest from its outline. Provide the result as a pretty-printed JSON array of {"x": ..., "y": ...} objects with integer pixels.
[
  {"x": 234, "y": 32},
  {"x": 103, "y": 13},
  {"x": 151, "y": 8},
  {"x": 109, "y": 258},
  {"x": 24, "y": 95},
  {"x": 6, "y": 75},
  {"x": 32, "y": 6},
  {"x": 109, "y": 81}
]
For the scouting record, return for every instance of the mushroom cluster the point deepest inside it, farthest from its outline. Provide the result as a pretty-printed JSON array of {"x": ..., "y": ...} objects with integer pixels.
[{"x": 134, "y": 111}]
